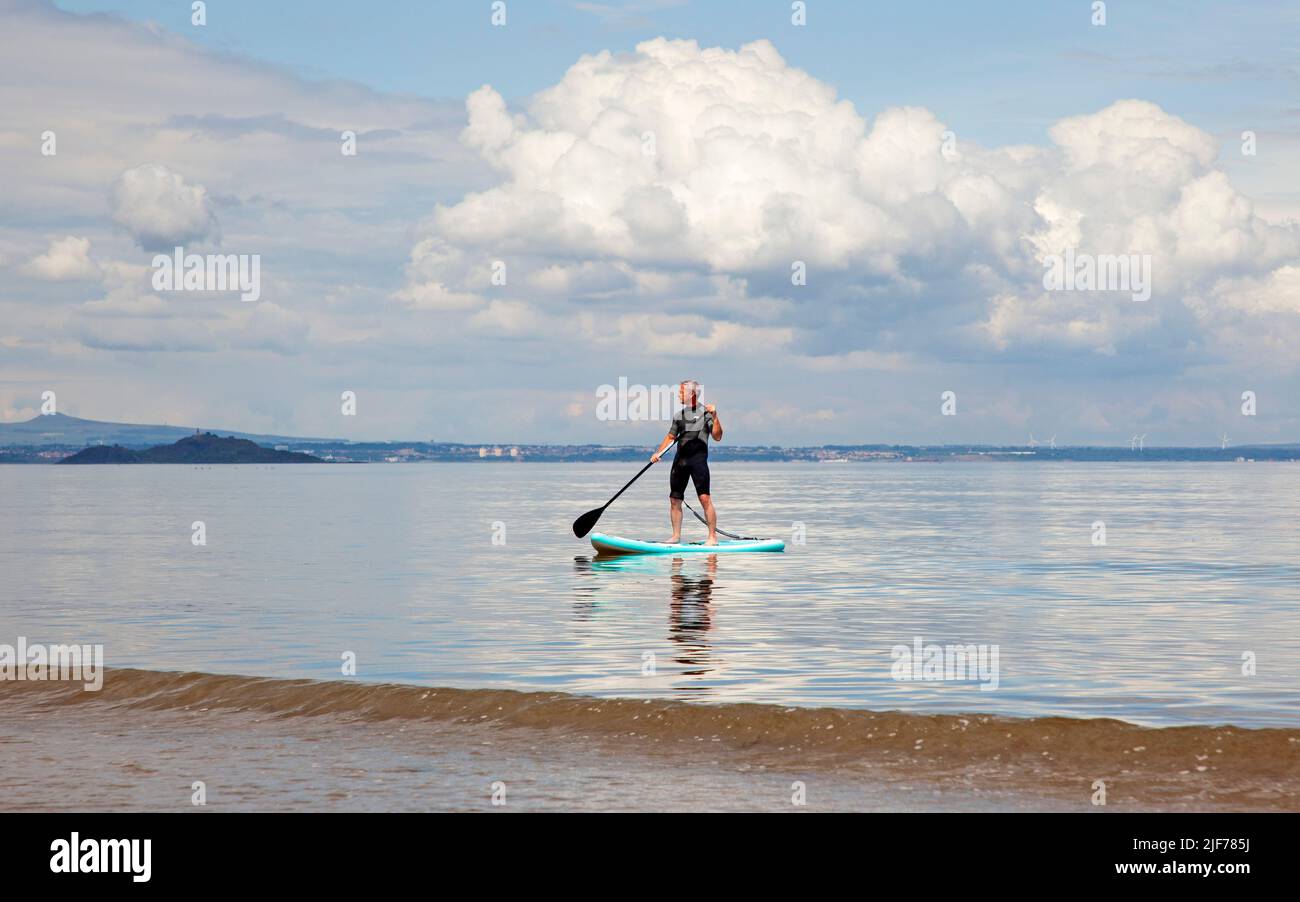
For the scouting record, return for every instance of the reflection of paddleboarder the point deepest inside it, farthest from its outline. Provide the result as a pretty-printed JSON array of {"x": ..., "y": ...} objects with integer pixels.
[
  {"x": 691, "y": 429},
  {"x": 690, "y": 616}
]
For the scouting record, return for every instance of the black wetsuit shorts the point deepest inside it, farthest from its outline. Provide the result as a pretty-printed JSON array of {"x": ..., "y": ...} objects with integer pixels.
[{"x": 690, "y": 465}]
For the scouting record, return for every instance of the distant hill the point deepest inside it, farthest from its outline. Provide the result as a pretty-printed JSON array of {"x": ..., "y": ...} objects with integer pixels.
[
  {"x": 61, "y": 429},
  {"x": 104, "y": 454},
  {"x": 205, "y": 448}
]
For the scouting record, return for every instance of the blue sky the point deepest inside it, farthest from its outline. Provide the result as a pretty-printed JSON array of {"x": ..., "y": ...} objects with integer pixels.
[
  {"x": 1000, "y": 72},
  {"x": 776, "y": 145}
]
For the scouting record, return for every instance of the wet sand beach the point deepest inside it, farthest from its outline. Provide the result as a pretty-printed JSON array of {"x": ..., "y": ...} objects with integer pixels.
[{"x": 267, "y": 745}]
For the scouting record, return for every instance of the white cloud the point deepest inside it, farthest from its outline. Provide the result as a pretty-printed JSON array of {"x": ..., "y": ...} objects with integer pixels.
[
  {"x": 435, "y": 264},
  {"x": 756, "y": 165},
  {"x": 161, "y": 209},
  {"x": 68, "y": 259},
  {"x": 507, "y": 318},
  {"x": 677, "y": 335},
  {"x": 1135, "y": 138}
]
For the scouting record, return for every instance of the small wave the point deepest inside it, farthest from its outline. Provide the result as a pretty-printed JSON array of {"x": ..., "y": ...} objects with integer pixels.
[{"x": 1220, "y": 764}]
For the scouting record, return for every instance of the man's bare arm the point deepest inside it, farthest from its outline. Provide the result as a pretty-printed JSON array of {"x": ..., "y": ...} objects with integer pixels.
[{"x": 663, "y": 446}]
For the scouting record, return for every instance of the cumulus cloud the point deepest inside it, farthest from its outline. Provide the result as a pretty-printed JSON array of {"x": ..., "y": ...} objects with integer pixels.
[
  {"x": 676, "y": 162},
  {"x": 68, "y": 259},
  {"x": 698, "y": 157},
  {"x": 161, "y": 209},
  {"x": 435, "y": 264}
]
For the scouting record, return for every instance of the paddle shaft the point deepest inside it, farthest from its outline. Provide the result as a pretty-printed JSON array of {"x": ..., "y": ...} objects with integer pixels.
[
  {"x": 583, "y": 524},
  {"x": 629, "y": 484}
]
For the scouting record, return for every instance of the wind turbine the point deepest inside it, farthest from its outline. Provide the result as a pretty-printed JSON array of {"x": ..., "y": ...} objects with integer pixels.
[
  {"x": 1133, "y": 443},
  {"x": 1141, "y": 440},
  {"x": 1224, "y": 443},
  {"x": 1033, "y": 442},
  {"x": 1052, "y": 442}
]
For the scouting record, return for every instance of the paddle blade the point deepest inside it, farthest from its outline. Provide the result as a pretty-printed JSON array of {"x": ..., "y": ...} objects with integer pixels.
[{"x": 583, "y": 524}]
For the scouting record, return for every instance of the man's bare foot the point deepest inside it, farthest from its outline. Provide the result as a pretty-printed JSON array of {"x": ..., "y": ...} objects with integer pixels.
[
  {"x": 675, "y": 540},
  {"x": 712, "y": 540}
]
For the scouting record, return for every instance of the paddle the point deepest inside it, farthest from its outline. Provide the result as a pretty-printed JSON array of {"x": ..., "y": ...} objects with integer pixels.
[
  {"x": 583, "y": 524},
  {"x": 729, "y": 535}
]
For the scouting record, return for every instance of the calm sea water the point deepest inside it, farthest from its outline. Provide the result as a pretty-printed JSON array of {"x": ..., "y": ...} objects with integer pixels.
[{"x": 397, "y": 564}]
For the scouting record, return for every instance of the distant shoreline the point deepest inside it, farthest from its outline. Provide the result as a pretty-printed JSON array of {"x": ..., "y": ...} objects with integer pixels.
[
  {"x": 418, "y": 452},
  {"x": 49, "y": 439}
]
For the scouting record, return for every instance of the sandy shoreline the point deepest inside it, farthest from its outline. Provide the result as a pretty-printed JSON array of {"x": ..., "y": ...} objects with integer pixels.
[{"x": 266, "y": 744}]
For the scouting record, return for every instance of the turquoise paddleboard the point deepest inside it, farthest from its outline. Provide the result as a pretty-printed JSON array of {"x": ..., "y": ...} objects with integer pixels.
[{"x": 617, "y": 545}]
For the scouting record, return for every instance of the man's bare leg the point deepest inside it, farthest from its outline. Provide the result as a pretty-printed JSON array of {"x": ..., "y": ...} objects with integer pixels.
[
  {"x": 675, "y": 516},
  {"x": 711, "y": 515}
]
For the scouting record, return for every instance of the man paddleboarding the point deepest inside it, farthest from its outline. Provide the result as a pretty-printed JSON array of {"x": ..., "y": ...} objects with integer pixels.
[{"x": 691, "y": 429}]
